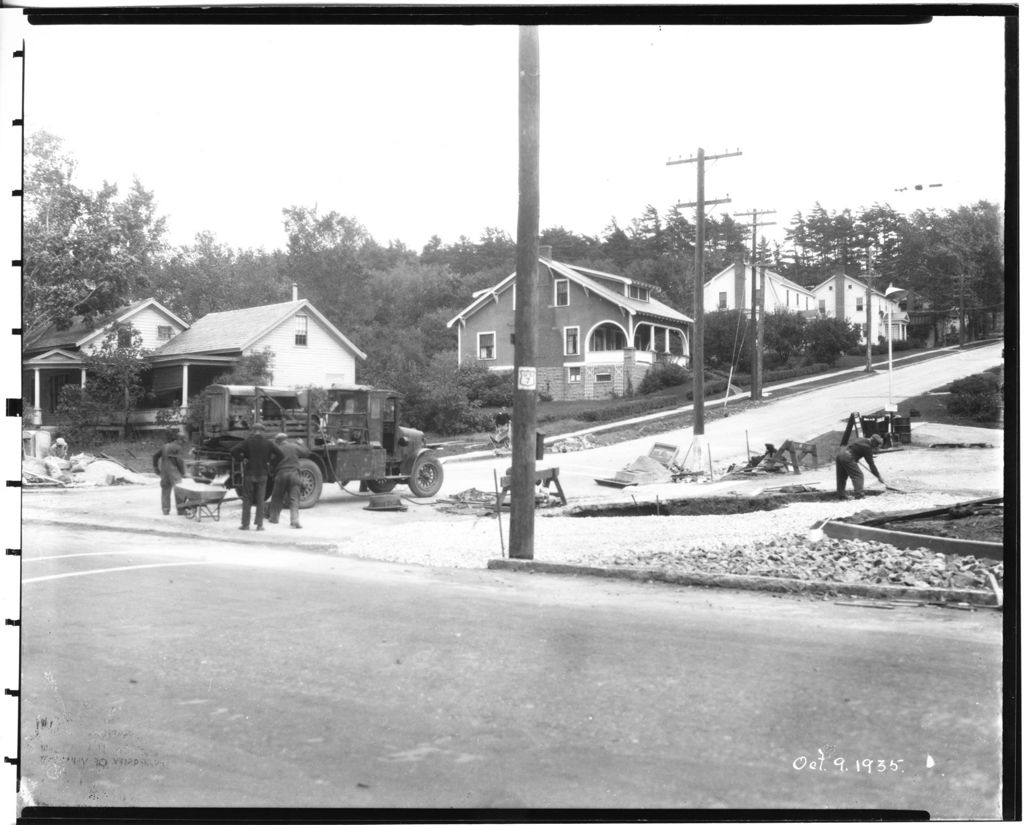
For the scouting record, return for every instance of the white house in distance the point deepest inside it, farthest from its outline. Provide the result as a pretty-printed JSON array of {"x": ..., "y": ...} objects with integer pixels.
[
  {"x": 732, "y": 288},
  {"x": 842, "y": 296},
  {"x": 52, "y": 358},
  {"x": 308, "y": 350}
]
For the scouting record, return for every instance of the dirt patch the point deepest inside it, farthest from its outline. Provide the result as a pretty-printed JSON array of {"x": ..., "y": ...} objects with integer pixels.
[{"x": 969, "y": 522}]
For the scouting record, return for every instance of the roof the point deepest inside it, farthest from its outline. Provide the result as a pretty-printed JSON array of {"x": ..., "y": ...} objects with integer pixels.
[
  {"x": 771, "y": 274},
  {"x": 236, "y": 330},
  {"x": 591, "y": 281},
  {"x": 49, "y": 337},
  {"x": 830, "y": 278}
]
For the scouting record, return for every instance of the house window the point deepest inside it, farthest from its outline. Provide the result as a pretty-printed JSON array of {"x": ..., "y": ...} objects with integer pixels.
[
  {"x": 821, "y": 306},
  {"x": 723, "y": 300},
  {"x": 124, "y": 337},
  {"x": 301, "y": 330},
  {"x": 787, "y": 297},
  {"x": 575, "y": 375},
  {"x": 603, "y": 377},
  {"x": 572, "y": 340},
  {"x": 640, "y": 293},
  {"x": 163, "y": 333},
  {"x": 561, "y": 293},
  {"x": 485, "y": 346},
  {"x": 860, "y": 305}
]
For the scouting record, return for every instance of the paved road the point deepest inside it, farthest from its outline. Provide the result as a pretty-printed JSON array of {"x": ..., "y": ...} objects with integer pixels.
[
  {"x": 208, "y": 673},
  {"x": 801, "y": 417}
]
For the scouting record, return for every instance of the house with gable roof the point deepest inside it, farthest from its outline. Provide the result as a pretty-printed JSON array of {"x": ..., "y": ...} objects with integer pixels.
[
  {"x": 733, "y": 287},
  {"x": 308, "y": 350},
  {"x": 843, "y": 296},
  {"x": 53, "y": 358},
  {"x": 597, "y": 333}
]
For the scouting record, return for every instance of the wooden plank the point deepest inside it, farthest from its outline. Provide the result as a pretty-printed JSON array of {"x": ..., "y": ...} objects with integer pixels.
[{"x": 911, "y": 541}]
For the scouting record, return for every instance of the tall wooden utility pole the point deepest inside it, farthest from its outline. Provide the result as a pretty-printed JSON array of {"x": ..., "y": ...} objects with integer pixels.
[
  {"x": 867, "y": 313},
  {"x": 697, "y": 349},
  {"x": 524, "y": 407},
  {"x": 756, "y": 305}
]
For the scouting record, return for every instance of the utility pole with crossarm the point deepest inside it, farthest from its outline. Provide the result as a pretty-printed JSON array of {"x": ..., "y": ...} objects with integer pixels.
[{"x": 697, "y": 350}]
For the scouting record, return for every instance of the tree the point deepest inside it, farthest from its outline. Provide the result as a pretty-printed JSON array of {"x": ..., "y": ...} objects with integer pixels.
[
  {"x": 825, "y": 339},
  {"x": 783, "y": 334},
  {"x": 726, "y": 341},
  {"x": 115, "y": 371},
  {"x": 86, "y": 253}
]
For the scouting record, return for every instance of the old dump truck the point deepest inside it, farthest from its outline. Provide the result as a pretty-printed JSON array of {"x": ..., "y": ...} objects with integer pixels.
[{"x": 352, "y": 436}]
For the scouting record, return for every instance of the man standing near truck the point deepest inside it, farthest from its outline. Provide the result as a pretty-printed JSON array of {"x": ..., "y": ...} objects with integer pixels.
[
  {"x": 255, "y": 453},
  {"x": 169, "y": 464},
  {"x": 287, "y": 481}
]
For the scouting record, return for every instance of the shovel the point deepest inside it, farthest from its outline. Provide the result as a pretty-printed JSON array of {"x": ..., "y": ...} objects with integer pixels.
[
  {"x": 892, "y": 489},
  {"x": 817, "y": 532}
]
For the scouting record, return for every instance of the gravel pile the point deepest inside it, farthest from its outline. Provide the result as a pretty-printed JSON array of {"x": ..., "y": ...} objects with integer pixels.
[{"x": 829, "y": 560}]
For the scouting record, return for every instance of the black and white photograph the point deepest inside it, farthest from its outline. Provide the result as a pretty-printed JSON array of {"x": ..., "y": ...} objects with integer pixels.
[{"x": 489, "y": 413}]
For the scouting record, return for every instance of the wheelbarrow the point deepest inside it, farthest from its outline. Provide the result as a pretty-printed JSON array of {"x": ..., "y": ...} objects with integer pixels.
[{"x": 198, "y": 504}]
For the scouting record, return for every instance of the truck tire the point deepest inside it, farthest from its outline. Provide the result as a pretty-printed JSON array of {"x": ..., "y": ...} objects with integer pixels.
[
  {"x": 381, "y": 485},
  {"x": 312, "y": 483},
  {"x": 427, "y": 476}
]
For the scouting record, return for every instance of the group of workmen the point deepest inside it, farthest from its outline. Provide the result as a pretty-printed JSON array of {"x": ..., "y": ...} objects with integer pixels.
[{"x": 257, "y": 455}]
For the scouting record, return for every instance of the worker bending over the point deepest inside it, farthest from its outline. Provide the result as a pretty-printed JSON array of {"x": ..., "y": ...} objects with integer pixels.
[{"x": 847, "y": 466}]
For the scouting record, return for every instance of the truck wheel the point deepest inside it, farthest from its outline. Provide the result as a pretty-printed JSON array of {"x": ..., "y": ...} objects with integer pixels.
[
  {"x": 381, "y": 485},
  {"x": 311, "y": 483},
  {"x": 427, "y": 476}
]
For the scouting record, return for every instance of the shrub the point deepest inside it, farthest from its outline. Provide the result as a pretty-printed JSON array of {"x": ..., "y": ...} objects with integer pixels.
[
  {"x": 663, "y": 374},
  {"x": 828, "y": 338},
  {"x": 978, "y": 397},
  {"x": 82, "y": 414}
]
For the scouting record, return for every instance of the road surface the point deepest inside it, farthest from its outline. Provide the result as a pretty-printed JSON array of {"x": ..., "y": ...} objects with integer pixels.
[{"x": 166, "y": 672}]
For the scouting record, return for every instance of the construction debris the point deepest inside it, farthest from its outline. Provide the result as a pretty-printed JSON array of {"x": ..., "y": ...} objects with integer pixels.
[
  {"x": 573, "y": 444},
  {"x": 79, "y": 470},
  {"x": 657, "y": 467}
]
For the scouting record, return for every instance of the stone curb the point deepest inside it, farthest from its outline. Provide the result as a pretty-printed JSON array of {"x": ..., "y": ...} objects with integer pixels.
[{"x": 763, "y": 583}]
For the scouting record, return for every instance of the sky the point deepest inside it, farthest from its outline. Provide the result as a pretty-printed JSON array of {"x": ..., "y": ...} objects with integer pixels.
[{"x": 413, "y": 130}]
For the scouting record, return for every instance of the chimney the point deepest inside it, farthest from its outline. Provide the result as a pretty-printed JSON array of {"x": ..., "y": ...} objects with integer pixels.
[
  {"x": 545, "y": 251},
  {"x": 740, "y": 273},
  {"x": 295, "y": 292}
]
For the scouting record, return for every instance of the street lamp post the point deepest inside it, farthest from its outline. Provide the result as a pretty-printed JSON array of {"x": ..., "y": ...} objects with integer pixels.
[{"x": 891, "y": 295}]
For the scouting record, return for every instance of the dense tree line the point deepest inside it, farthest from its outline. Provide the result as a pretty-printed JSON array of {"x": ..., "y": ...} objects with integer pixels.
[{"x": 88, "y": 252}]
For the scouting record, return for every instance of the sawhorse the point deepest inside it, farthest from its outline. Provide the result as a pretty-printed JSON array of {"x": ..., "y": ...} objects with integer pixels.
[{"x": 545, "y": 477}]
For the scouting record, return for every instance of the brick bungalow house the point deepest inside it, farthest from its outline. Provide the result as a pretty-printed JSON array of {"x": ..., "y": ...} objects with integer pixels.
[{"x": 597, "y": 333}]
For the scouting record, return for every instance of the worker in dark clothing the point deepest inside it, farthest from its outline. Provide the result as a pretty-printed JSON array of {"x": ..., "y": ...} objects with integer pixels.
[
  {"x": 287, "y": 480},
  {"x": 255, "y": 453},
  {"x": 847, "y": 465},
  {"x": 169, "y": 464}
]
